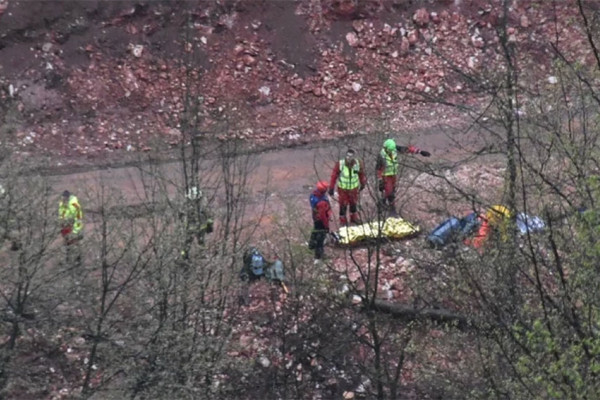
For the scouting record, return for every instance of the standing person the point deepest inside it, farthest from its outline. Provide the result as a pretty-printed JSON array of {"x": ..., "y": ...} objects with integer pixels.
[
  {"x": 350, "y": 177},
  {"x": 197, "y": 219},
  {"x": 321, "y": 214},
  {"x": 388, "y": 168},
  {"x": 70, "y": 218}
]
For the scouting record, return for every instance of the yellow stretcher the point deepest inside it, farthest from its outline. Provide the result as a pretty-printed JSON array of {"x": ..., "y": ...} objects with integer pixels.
[{"x": 391, "y": 228}]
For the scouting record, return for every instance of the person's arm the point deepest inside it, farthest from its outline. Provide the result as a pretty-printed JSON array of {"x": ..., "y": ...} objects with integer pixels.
[
  {"x": 323, "y": 215},
  {"x": 412, "y": 150},
  {"x": 334, "y": 176}
]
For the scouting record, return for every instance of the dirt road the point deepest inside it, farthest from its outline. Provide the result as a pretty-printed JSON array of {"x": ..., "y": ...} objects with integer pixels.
[{"x": 279, "y": 180}]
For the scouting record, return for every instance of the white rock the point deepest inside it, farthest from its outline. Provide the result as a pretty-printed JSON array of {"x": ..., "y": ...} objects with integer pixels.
[
  {"x": 137, "y": 50},
  {"x": 264, "y": 361},
  {"x": 344, "y": 289},
  {"x": 265, "y": 90},
  {"x": 472, "y": 61},
  {"x": 356, "y": 86},
  {"x": 552, "y": 80},
  {"x": 352, "y": 39}
]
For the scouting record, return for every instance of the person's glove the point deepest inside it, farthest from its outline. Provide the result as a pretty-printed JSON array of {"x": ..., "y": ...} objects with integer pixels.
[
  {"x": 425, "y": 153},
  {"x": 381, "y": 185},
  {"x": 330, "y": 191}
]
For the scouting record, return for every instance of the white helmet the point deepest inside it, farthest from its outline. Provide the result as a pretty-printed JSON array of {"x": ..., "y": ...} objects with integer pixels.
[{"x": 193, "y": 193}]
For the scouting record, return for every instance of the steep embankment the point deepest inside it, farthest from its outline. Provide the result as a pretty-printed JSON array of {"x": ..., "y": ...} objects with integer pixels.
[{"x": 87, "y": 78}]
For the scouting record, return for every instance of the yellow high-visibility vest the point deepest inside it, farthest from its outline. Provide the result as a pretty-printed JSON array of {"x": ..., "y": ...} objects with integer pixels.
[
  {"x": 71, "y": 213},
  {"x": 391, "y": 162},
  {"x": 348, "y": 179}
]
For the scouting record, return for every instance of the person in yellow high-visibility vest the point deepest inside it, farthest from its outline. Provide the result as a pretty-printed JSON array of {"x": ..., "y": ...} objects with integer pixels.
[
  {"x": 388, "y": 167},
  {"x": 350, "y": 177},
  {"x": 70, "y": 218},
  {"x": 197, "y": 219}
]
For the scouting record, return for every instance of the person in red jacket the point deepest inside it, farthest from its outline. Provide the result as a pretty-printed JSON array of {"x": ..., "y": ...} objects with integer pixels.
[
  {"x": 388, "y": 168},
  {"x": 321, "y": 214},
  {"x": 349, "y": 174}
]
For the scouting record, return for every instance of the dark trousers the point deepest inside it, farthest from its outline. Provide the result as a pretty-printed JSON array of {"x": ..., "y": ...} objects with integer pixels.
[{"x": 317, "y": 239}]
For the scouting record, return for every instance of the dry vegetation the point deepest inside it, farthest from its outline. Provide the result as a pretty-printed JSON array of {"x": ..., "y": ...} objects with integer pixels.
[{"x": 388, "y": 320}]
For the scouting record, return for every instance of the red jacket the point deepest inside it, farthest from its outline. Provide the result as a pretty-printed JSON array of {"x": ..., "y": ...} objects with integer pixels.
[
  {"x": 321, "y": 213},
  {"x": 362, "y": 178}
]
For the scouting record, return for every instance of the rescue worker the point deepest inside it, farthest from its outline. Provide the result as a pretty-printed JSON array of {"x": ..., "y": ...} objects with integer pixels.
[
  {"x": 350, "y": 177},
  {"x": 70, "y": 218},
  {"x": 197, "y": 219},
  {"x": 321, "y": 214},
  {"x": 495, "y": 225},
  {"x": 387, "y": 170}
]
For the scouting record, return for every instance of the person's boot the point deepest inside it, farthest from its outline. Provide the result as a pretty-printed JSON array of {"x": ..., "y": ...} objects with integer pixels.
[
  {"x": 343, "y": 220},
  {"x": 319, "y": 251},
  {"x": 354, "y": 218}
]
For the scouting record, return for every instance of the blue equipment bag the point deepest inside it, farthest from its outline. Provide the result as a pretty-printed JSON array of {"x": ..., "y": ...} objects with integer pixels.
[
  {"x": 257, "y": 263},
  {"x": 254, "y": 265}
]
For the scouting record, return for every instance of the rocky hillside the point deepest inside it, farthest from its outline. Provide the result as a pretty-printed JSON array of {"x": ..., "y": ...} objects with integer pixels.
[{"x": 89, "y": 77}]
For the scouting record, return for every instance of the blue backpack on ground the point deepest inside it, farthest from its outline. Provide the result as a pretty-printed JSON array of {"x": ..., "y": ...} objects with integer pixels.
[
  {"x": 254, "y": 264},
  {"x": 257, "y": 263}
]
